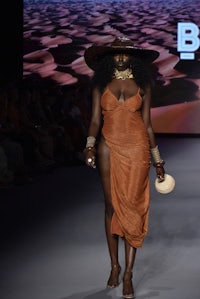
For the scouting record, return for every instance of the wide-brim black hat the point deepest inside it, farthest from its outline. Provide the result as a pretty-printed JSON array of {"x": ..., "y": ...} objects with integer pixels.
[{"x": 94, "y": 53}]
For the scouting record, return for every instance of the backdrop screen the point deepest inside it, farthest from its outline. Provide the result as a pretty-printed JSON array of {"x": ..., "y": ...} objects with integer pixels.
[{"x": 57, "y": 32}]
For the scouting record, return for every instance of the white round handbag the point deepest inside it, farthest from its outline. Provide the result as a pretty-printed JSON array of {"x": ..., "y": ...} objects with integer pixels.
[{"x": 166, "y": 186}]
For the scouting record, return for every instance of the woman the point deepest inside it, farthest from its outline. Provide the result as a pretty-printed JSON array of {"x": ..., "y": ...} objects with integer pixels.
[{"x": 121, "y": 120}]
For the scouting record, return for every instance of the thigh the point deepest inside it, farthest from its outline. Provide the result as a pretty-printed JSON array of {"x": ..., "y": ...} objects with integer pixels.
[{"x": 103, "y": 163}]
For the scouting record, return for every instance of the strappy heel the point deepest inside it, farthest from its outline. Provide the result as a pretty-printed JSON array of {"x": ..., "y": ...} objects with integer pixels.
[
  {"x": 128, "y": 290},
  {"x": 113, "y": 280}
]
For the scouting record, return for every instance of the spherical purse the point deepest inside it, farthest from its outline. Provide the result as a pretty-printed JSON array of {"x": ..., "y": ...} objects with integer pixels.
[{"x": 166, "y": 186}]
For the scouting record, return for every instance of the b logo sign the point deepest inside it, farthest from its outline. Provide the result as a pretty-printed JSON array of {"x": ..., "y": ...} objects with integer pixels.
[{"x": 187, "y": 40}]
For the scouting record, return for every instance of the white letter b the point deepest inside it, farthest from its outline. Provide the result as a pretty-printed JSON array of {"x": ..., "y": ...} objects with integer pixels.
[{"x": 188, "y": 40}]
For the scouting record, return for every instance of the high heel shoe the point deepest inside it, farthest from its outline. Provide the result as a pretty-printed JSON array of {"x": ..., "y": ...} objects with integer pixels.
[
  {"x": 128, "y": 290},
  {"x": 113, "y": 280}
]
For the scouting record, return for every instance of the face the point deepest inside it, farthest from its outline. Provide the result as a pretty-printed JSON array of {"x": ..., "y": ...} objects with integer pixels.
[{"x": 121, "y": 61}]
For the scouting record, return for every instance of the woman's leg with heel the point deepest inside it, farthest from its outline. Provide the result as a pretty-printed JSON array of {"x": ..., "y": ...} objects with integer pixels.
[
  {"x": 130, "y": 253},
  {"x": 112, "y": 241}
]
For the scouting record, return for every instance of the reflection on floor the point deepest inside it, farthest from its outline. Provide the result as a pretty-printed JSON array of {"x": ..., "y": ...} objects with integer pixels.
[{"x": 53, "y": 243}]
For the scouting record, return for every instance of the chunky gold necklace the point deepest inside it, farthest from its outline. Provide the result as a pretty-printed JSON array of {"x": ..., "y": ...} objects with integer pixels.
[{"x": 127, "y": 74}]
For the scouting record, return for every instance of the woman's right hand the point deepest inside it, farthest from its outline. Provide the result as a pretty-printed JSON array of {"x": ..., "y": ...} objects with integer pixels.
[{"x": 90, "y": 157}]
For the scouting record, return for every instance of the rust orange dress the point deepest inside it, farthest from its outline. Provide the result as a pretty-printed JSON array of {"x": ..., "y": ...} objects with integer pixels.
[{"x": 126, "y": 136}]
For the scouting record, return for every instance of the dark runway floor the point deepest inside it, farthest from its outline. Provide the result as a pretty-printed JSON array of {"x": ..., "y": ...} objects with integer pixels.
[{"x": 53, "y": 243}]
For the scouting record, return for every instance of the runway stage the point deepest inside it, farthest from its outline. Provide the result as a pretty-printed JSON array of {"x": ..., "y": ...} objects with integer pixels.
[{"x": 53, "y": 244}]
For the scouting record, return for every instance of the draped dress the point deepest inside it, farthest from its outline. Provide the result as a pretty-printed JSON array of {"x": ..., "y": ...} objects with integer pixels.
[{"x": 126, "y": 136}]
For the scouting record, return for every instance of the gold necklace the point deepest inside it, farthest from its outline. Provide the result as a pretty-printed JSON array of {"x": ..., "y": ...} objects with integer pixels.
[{"x": 127, "y": 74}]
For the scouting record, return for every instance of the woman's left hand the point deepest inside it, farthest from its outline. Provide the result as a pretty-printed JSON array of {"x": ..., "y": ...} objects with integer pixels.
[{"x": 160, "y": 172}]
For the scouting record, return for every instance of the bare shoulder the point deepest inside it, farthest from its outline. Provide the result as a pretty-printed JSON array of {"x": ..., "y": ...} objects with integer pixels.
[
  {"x": 146, "y": 92},
  {"x": 96, "y": 91}
]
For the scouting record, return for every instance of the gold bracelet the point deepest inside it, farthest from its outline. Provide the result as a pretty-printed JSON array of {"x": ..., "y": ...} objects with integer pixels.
[
  {"x": 91, "y": 140},
  {"x": 156, "y": 154}
]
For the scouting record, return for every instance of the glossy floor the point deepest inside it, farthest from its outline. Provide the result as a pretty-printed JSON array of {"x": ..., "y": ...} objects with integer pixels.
[{"x": 53, "y": 242}]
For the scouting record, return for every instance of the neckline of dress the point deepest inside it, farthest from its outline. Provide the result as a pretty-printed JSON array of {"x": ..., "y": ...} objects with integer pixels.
[{"x": 136, "y": 94}]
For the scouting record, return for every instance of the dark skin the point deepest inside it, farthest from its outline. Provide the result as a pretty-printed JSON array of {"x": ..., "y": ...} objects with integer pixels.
[{"x": 122, "y": 89}]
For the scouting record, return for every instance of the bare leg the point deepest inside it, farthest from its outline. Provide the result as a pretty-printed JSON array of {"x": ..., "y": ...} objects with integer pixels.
[
  {"x": 112, "y": 241},
  {"x": 130, "y": 252}
]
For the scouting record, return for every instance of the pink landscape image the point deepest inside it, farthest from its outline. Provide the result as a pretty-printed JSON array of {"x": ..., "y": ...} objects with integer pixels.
[{"x": 56, "y": 34}]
